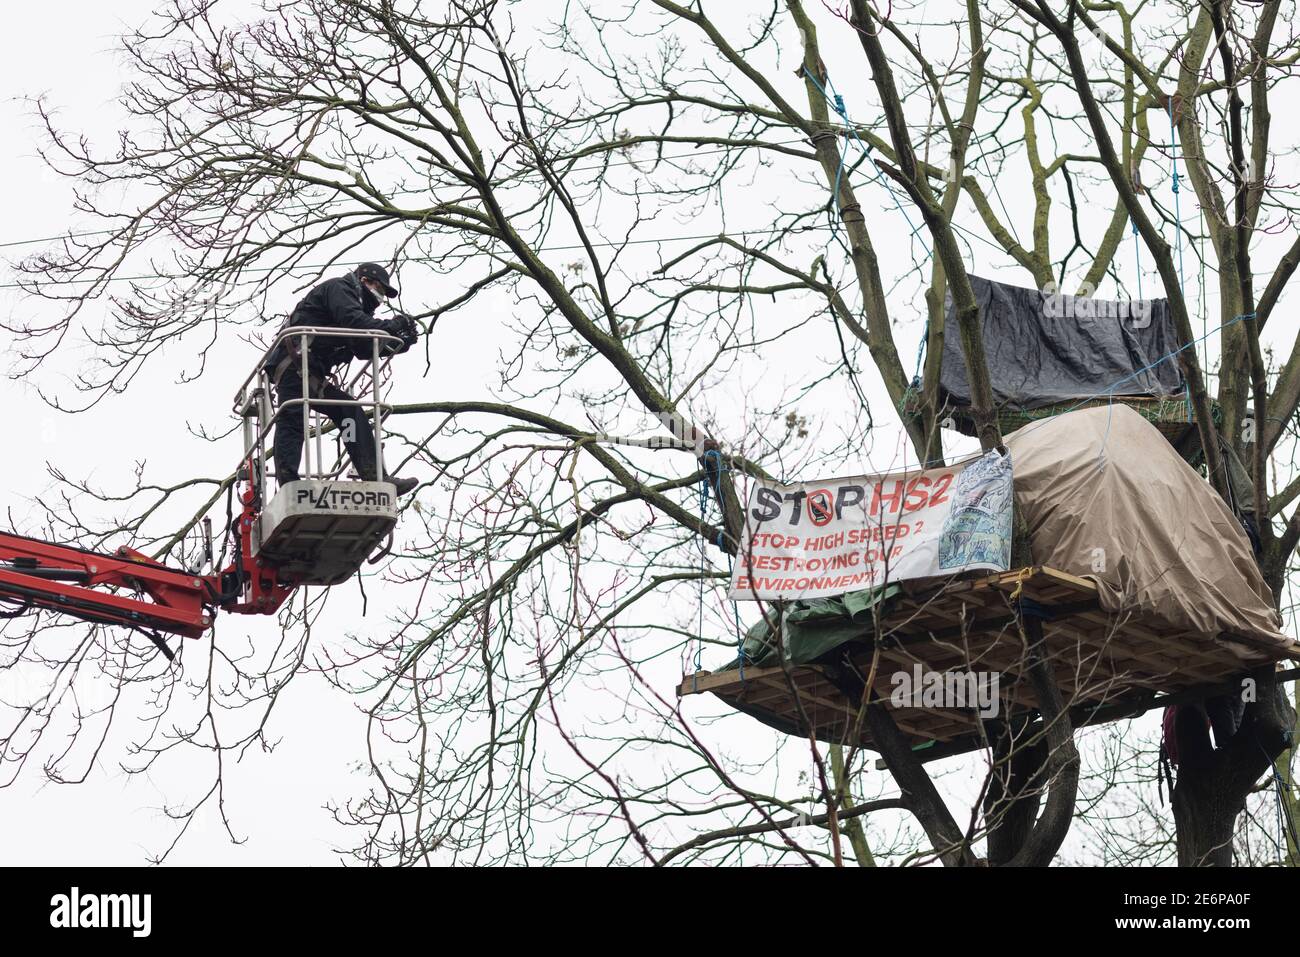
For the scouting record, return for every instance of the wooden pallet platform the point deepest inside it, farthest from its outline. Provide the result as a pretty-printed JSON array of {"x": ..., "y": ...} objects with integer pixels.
[{"x": 1108, "y": 666}]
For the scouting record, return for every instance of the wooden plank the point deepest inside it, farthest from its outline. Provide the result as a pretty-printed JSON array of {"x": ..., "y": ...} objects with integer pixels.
[{"x": 702, "y": 681}]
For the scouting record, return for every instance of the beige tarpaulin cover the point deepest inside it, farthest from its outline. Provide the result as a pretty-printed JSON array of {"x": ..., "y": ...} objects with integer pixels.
[{"x": 1101, "y": 489}]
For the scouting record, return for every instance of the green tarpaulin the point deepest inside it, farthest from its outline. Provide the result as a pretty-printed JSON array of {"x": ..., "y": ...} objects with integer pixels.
[{"x": 814, "y": 627}]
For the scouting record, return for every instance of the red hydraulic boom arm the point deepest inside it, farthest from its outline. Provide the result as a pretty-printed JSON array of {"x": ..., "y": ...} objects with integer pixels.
[{"x": 90, "y": 585}]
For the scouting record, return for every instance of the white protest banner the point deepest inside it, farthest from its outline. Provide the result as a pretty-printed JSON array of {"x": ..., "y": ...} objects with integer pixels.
[{"x": 820, "y": 539}]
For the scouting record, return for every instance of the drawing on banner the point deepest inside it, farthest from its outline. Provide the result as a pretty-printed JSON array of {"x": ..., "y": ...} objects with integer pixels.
[
  {"x": 977, "y": 530},
  {"x": 824, "y": 538}
]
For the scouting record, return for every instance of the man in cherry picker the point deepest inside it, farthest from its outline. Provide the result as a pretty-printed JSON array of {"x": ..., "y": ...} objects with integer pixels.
[{"x": 346, "y": 302}]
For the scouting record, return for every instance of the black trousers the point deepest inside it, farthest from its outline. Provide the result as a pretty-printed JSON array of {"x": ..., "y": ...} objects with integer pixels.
[{"x": 352, "y": 422}]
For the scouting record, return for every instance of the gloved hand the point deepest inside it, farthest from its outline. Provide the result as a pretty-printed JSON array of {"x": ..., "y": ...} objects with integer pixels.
[
  {"x": 410, "y": 333},
  {"x": 405, "y": 328}
]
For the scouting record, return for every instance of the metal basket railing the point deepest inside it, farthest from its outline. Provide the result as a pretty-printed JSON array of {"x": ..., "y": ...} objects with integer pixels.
[{"x": 255, "y": 405}]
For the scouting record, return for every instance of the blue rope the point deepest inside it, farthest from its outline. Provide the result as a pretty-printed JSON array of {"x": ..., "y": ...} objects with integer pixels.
[
  {"x": 719, "y": 466},
  {"x": 836, "y": 103},
  {"x": 1283, "y": 840},
  {"x": 1165, "y": 358},
  {"x": 1108, "y": 392},
  {"x": 839, "y": 172},
  {"x": 1178, "y": 240}
]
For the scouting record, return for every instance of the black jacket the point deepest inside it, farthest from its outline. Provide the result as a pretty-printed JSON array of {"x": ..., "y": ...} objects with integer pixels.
[{"x": 337, "y": 303}]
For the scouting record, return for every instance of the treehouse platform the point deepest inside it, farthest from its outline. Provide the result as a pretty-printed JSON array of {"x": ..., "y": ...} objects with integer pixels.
[{"x": 1108, "y": 666}]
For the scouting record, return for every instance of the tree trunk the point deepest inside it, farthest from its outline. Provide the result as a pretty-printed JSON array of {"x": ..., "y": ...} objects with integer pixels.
[
  {"x": 1205, "y": 817},
  {"x": 1015, "y": 792},
  {"x": 1213, "y": 782}
]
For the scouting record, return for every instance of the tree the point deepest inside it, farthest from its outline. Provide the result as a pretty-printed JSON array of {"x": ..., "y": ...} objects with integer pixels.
[{"x": 562, "y": 554}]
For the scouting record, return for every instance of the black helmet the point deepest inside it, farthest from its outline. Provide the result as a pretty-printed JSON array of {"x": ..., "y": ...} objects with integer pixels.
[{"x": 377, "y": 273}]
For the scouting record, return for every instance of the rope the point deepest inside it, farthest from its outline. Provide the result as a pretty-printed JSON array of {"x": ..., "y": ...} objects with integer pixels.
[
  {"x": 740, "y": 635},
  {"x": 1281, "y": 834},
  {"x": 1287, "y": 837},
  {"x": 1020, "y": 585},
  {"x": 839, "y": 172},
  {"x": 836, "y": 102},
  {"x": 1108, "y": 392}
]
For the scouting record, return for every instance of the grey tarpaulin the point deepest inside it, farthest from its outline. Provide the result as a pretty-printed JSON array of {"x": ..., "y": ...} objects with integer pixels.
[{"x": 1044, "y": 348}]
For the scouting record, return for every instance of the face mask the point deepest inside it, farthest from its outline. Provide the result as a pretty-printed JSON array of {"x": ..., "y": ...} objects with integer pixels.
[{"x": 368, "y": 298}]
